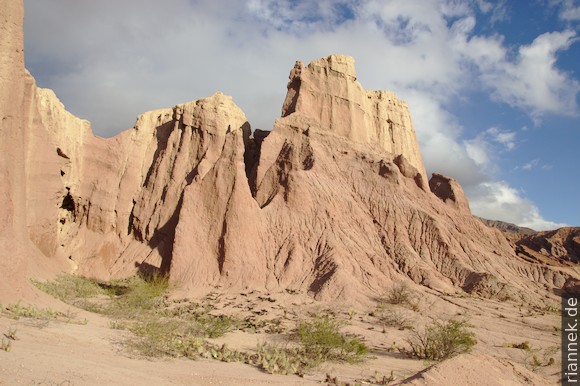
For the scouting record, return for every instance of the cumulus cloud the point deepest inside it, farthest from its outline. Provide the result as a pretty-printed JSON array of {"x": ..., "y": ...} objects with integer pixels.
[
  {"x": 569, "y": 10},
  {"x": 110, "y": 61},
  {"x": 499, "y": 201}
]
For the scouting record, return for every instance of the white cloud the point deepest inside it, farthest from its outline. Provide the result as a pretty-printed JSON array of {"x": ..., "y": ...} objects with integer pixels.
[
  {"x": 531, "y": 165},
  {"x": 497, "y": 9},
  {"x": 531, "y": 81},
  {"x": 499, "y": 201},
  {"x": 570, "y": 10},
  {"x": 505, "y": 138}
]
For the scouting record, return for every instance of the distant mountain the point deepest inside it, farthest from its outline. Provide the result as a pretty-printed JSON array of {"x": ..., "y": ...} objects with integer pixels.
[{"x": 506, "y": 226}]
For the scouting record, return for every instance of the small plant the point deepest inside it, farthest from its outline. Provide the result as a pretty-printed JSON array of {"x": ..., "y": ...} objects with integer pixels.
[
  {"x": 379, "y": 379},
  {"x": 534, "y": 358},
  {"x": 17, "y": 311},
  {"x": 390, "y": 317},
  {"x": 213, "y": 326},
  {"x": 441, "y": 340},
  {"x": 138, "y": 295},
  {"x": 522, "y": 346},
  {"x": 11, "y": 334},
  {"x": 6, "y": 345},
  {"x": 117, "y": 325},
  {"x": 401, "y": 295}
]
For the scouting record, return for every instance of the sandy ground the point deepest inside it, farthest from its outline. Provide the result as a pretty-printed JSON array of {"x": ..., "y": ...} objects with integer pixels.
[{"x": 61, "y": 353}]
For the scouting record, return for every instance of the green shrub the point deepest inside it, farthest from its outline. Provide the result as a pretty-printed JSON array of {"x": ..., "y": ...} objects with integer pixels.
[
  {"x": 321, "y": 340},
  {"x": 441, "y": 340},
  {"x": 214, "y": 326}
]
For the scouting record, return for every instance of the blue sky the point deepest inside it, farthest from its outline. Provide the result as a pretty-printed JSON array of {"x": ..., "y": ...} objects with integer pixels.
[{"x": 493, "y": 86}]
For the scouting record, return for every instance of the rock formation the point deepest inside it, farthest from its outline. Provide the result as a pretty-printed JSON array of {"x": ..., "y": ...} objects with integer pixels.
[
  {"x": 506, "y": 227},
  {"x": 557, "y": 247},
  {"x": 334, "y": 201},
  {"x": 327, "y": 95}
]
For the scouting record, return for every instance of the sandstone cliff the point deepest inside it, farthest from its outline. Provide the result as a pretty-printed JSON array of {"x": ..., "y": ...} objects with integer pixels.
[
  {"x": 334, "y": 201},
  {"x": 328, "y": 96}
]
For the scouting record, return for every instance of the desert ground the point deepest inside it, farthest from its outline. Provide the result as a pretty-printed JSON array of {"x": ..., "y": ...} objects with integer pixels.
[{"x": 515, "y": 345}]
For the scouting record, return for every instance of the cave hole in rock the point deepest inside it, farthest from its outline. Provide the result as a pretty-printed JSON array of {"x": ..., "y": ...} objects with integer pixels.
[{"x": 68, "y": 203}]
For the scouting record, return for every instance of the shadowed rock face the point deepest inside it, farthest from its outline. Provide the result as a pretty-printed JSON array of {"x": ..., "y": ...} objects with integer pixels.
[{"x": 334, "y": 201}]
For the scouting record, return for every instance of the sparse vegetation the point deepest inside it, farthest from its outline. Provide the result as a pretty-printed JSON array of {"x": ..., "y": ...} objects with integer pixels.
[
  {"x": 11, "y": 334},
  {"x": 522, "y": 346},
  {"x": 70, "y": 288},
  {"x": 126, "y": 298},
  {"x": 392, "y": 317},
  {"x": 534, "y": 358},
  {"x": 441, "y": 340},
  {"x": 322, "y": 341},
  {"x": 40, "y": 316},
  {"x": 400, "y": 295},
  {"x": 6, "y": 345}
]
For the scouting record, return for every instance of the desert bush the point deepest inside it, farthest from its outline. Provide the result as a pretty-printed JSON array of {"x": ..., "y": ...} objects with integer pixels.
[
  {"x": 390, "y": 317},
  {"x": 399, "y": 294},
  {"x": 441, "y": 340},
  {"x": 321, "y": 340},
  {"x": 214, "y": 326}
]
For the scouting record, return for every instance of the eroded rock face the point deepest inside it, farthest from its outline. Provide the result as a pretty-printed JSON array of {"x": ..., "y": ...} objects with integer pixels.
[
  {"x": 334, "y": 201},
  {"x": 561, "y": 246}
]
